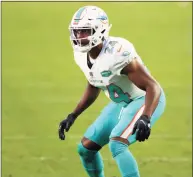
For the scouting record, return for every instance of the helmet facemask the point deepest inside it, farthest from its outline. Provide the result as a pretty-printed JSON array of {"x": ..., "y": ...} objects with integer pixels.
[{"x": 81, "y": 38}]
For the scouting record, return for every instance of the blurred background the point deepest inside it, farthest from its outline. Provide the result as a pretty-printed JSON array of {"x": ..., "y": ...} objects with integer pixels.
[{"x": 41, "y": 84}]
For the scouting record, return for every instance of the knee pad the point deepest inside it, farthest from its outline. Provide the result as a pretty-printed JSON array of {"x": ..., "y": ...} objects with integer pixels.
[
  {"x": 117, "y": 147},
  {"x": 85, "y": 153},
  {"x": 91, "y": 160}
]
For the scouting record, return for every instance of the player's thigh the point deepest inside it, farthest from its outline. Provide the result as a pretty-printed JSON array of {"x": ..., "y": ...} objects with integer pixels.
[
  {"x": 131, "y": 114},
  {"x": 100, "y": 130}
]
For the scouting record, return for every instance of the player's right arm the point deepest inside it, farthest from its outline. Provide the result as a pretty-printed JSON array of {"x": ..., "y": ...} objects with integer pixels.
[{"x": 90, "y": 95}]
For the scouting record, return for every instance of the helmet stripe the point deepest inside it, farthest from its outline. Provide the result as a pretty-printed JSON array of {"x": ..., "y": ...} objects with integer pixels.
[{"x": 79, "y": 13}]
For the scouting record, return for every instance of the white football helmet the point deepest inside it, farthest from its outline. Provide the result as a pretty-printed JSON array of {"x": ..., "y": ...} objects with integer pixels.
[{"x": 89, "y": 18}]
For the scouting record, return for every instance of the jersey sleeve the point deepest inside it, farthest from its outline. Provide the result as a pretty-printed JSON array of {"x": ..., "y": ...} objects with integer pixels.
[{"x": 123, "y": 56}]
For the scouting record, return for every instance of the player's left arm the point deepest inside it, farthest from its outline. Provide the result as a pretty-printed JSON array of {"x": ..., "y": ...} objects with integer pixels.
[{"x": 137, "y": 73}]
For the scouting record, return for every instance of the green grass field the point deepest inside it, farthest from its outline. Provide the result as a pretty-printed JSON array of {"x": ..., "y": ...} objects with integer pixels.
[{"x": 41, "y": 84}]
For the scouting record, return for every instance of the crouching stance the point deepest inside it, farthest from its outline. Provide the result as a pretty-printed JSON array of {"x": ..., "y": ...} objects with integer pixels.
[{"x": 111, "y": 64}]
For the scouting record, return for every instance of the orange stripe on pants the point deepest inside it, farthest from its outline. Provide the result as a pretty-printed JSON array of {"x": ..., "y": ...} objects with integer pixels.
[{"x": 128, "y": 130}]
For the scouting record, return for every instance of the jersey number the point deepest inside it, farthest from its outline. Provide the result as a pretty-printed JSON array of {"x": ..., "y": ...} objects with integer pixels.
[{"x": 117, "y": 95}]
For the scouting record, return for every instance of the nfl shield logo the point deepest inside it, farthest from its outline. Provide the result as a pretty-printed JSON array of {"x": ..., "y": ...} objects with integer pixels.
[{"x": 91, "y": 74}]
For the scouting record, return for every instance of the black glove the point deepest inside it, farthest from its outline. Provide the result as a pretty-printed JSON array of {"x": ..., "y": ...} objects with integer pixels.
[
  {"x": 65, "y": 125},
  {"x": 142, "y": 128}
]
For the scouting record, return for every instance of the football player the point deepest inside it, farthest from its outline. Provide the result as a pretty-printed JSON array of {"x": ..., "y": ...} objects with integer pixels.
[{"x": 111, "y": 64}]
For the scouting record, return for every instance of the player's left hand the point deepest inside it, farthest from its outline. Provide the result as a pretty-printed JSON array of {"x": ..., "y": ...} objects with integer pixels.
[{"x": 142, "y": 128}]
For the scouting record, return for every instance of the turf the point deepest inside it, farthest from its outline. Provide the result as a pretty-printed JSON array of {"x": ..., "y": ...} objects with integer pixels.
[{"x": 41, "y": 84}]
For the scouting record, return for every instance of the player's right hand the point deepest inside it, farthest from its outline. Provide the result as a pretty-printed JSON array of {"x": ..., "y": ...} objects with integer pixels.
[{"x": 65, "y": 125}]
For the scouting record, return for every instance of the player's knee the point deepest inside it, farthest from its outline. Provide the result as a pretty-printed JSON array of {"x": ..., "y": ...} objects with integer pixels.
[
  {"x": 85, "y": 153},
  {"x": 82, "y": 151},
  {"x": 117, "y": 147}
]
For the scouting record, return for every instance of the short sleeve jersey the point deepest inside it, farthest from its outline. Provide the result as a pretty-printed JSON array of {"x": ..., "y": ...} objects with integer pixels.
[{"x": 105, "y": 73}]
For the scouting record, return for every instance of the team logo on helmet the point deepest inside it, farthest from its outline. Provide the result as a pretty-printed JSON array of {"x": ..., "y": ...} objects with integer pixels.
[{"x": 103, "y": 19}]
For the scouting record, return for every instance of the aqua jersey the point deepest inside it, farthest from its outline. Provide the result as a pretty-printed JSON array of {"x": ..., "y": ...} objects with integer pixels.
[{"x": 105, "y": 73}]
